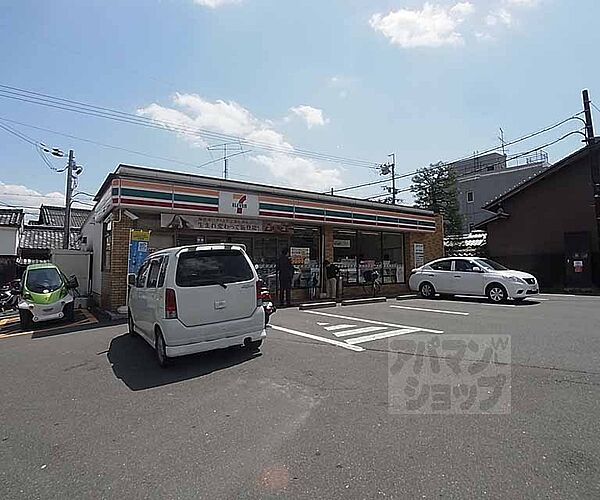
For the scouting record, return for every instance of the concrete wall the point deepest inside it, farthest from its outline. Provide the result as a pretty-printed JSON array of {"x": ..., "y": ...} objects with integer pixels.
[
  {"x": 486, "y": 187},
  {"x": 92, "y": 231},
  {"x": 9, "y": 241}
]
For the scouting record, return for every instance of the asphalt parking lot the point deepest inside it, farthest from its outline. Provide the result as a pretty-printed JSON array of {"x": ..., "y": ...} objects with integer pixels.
[{"x": 89, "y": 414}]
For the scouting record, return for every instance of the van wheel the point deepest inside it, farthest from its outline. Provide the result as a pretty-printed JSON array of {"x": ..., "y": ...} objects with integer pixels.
[
  {"x": 130, "y": 326},
  {"x": 70, "y": 312},
  {"x": 161, "y": 350},
  {"x": 426, "y": 290},
  {"x": 25, "y": 319},
  {"x": 254, "y": 345},
  {"x": 496, "y": 293}
]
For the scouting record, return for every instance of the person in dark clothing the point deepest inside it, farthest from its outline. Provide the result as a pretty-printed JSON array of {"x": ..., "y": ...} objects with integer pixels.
[
  {"x": 286, "y": 274},
  {"x": 331, "y": 275}
]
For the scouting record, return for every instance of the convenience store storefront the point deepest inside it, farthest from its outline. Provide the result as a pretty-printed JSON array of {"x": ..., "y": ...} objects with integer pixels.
[{"x": 184, "y": 209}]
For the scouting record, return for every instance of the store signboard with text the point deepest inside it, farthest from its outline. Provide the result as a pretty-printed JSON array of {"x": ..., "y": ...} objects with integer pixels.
[
  {"x": 138, "y": 249},
  {"x": 178, "y": 221}
]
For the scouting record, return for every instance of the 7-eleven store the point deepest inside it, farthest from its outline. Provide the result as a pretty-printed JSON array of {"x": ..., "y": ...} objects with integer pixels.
[{"x": 185, "y": 209}]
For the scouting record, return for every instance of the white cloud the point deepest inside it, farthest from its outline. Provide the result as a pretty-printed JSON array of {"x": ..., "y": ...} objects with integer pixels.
[
  {"x": 228, "y": 117},
  {"x": 213, "y": 4},
  {"x": 305, "y": 173},
  {"x": 432, "y": 26},
  {"x": 499, "y": 16},
  {"x": 19, "y": 195},
  {"x": 311, "y": 116}
]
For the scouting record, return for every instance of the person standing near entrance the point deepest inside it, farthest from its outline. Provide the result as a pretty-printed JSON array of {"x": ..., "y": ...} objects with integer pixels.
[
  {"x": 286, "y": 274},
  {"x": 331, "y": 274}
]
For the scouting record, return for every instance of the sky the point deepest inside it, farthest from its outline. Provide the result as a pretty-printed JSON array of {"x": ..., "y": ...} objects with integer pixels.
[{"x": 359, "y": 79}]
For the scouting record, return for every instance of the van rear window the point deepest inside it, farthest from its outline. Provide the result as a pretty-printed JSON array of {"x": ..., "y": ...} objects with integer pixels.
[{"x": 212, "y": 267}]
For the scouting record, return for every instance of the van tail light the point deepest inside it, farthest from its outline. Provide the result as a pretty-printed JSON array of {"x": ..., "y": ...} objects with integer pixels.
[
  {"x": 259, "y": 296},
  {"x": 170, "y": 304}
]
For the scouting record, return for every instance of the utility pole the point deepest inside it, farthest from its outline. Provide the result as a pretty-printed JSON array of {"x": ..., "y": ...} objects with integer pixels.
[
  {"x": 68, "y": 200},
  {"x": 387, "y": 169},
  {"x": 589, "y": 126},
  {"x": 594, "y": 167},
  {"x": 393, "y": 167}
]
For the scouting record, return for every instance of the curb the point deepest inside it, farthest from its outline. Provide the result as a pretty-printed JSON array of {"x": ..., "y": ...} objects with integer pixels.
[
  {"x": 316, "y": 305},
  {"x": 407, "y": 297},
  {"x": 372, "y": 300}
]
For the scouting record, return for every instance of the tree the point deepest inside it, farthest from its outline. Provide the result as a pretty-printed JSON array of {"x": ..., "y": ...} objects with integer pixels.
[{"x": 434, "y": 188}]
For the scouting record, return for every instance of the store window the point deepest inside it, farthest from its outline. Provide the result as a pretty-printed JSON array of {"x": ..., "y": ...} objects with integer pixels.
[
  {"x": 393, "y": 258},
  {"x": 369, "y": 255},
  {"x": 304, "y": 252},
  {"x": 106, "y": 245},
  {"x": 345, "y": 252},
  {"x": 267, "y": 249}
]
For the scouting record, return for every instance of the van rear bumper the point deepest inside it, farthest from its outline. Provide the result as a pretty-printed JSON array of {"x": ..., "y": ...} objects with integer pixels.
[{"x": 210, "y": 345}]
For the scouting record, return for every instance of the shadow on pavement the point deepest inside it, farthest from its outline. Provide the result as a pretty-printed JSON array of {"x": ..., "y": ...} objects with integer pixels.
[
  {"x": 134, "y": 362},
  {"x": 484, "y": 300}
]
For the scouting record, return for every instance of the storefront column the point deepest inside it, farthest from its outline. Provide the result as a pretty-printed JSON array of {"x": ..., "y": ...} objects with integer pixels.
[
  {"x": 114, "y": 285},
  {"x": 433, "y": 245},
  {"x": 328, "y": 239}
]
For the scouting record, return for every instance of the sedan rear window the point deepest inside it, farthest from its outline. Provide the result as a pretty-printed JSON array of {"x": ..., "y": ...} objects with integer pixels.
[{"x": 214, "y": 267}]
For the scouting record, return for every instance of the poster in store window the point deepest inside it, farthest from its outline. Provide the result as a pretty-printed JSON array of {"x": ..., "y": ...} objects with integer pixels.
[
  {"x": 419, "y": 254},
  {"x": 299, "y": 255},
  {"x": 138, "y": 249}
]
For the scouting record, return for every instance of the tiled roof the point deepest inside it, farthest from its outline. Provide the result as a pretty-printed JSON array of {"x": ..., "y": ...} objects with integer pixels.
[
  {"x": 55, "y": 216},
  {"x": 465, "y": 245},
  {"x": 46, "y": 238},
  {"x": 11, "y": 217}
]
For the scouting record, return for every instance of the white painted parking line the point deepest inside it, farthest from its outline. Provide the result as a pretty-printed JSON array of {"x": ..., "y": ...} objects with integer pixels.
[
  {"x": 333, "y": 328},
  {"x": 441, "y": 311},
  {"x": 383, "y": 335},
  {"x": 357, "y": 331},
  {"x": 372, "y": 322},
  {"x": 345, "y": 345}
]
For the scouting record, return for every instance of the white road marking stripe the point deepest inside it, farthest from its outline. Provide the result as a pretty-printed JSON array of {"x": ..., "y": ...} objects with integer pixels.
[
  {"x": 333, "y": 328},
  {"x": 383, "y": 335},
  {"x": 372, "y": 322},
  {"x": 356, "y": 331},
  {"x": 458, "y": 313},
  {"x": 322, "y": 324},
  {"x": 320, "y": 339}
]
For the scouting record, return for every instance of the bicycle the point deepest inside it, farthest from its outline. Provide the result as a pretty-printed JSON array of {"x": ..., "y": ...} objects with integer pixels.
[{"x": 372, "y": 283}]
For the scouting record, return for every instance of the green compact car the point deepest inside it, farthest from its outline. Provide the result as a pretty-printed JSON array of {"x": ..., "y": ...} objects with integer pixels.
[{"x": 45, "y": 295}]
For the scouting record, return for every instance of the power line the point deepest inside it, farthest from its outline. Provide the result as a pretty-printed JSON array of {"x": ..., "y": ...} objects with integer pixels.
[
  {"x": 120, "y": 116},
  {"x": 514, "y": 157},
  {"x": 595, "y": 107},
  {"x": 112, "y": 146}
]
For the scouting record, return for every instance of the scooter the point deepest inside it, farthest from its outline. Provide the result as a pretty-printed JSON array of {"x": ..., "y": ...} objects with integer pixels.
[
  {"x": 267, "y": 303},
  {"x": 9, "y": 296}
]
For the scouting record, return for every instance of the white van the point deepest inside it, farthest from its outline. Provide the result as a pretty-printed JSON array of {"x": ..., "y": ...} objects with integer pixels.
[{"x": 197, "y": 298}]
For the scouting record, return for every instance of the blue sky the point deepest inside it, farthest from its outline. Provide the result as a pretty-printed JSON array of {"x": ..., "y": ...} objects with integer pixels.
[{"x": 355, "y": 78}]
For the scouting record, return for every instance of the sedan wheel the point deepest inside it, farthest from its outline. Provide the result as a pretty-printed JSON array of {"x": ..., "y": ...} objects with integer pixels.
[
  {"x": 426, "y": 290},
  {"x": 497, "y": 294}
]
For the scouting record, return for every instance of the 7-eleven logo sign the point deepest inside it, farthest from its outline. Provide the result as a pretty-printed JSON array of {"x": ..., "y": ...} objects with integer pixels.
[{"x": 239, "y": 203}]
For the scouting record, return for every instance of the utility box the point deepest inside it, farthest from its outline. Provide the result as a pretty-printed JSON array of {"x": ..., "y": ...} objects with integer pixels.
[{"x": 74, "y": 262}]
